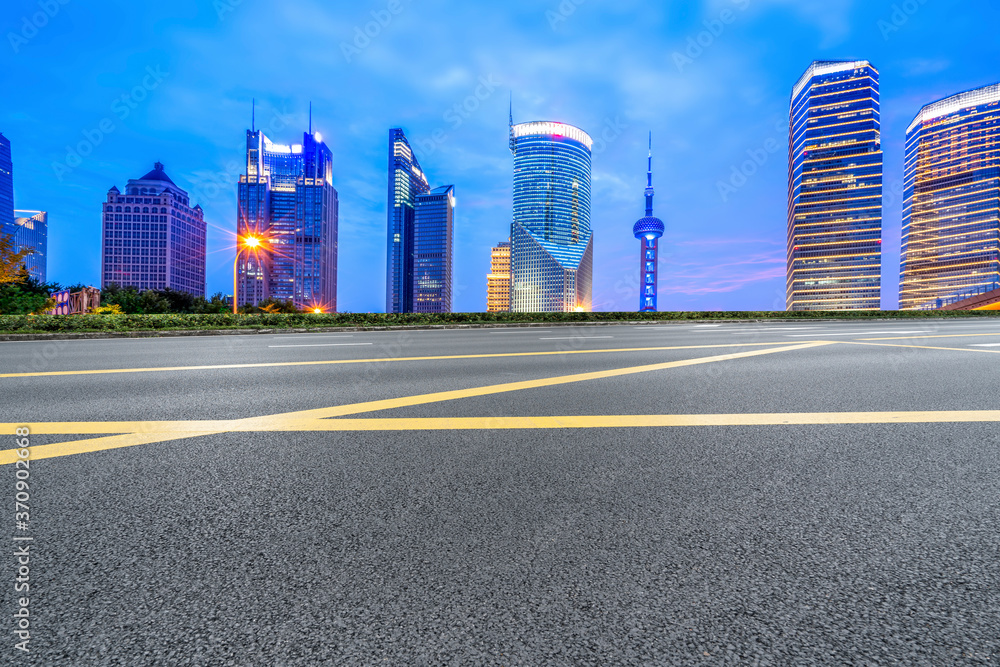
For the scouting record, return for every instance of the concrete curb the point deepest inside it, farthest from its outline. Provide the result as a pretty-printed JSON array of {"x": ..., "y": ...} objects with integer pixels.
[{"x": 103, "y": 335}]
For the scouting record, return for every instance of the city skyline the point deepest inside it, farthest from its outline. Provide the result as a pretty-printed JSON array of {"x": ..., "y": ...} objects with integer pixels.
[{"x": 714, "y": 112}]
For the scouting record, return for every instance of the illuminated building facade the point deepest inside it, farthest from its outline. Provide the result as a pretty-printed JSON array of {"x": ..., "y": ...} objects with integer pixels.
[
  {"x": 552, "y": 245},
  {"x": 406, "y": 182},
  {"x": 287, "y": 199},
  {"x": 835, "y": 189},
  {"x": 498, "y": 281},
  {"x": 6, "y": 188},
  {"x": 31, "y": 230},
  {"x": 951, "y": 212},
  {"x": 648, "y": 230},
  {"x": 433, "y": 235},
  {"x": 153, "y": 238}
]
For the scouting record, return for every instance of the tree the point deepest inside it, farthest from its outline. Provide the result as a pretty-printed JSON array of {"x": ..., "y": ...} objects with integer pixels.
[
  {"x": 11, "y": 262},
  {"x": 25, "y": 295}
]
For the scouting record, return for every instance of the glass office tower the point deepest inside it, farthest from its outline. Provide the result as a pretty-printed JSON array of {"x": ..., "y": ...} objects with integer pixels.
[
  {"x": 31, "y": 230},
  {"x": 406, "y": 182},
  {"x": 498, "y": 281},
  {"x": 552, "y": 249},
  {"x": 433, "y": 234},
  {"x": 6, "y": 188},
  {"x": 153, "y": 238},
  {"x": 835, "y": 189},
  {"x": 287, "y": 199},
  {"x": 951, "y": 211}
]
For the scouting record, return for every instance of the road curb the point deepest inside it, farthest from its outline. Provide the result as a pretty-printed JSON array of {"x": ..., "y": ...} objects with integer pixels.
[{"x": 104, "y": 335}]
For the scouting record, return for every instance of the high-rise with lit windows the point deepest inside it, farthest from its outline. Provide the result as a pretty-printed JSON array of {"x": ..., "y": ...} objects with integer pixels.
[
  {"x": 552, "y": 245},
  {"x": 498, "y": 281},
  {"x": 31, "y": 230},
  {"x": 406, "y": 182},
  {"x": 153, "y": 238},
  {"x": 6, "y": 188},
  {"x": 287, "y": 200},
  {"x": 433, "y": 238},
  {"x": 951, "y": 212},
  {"x": 835, "y": 189}
]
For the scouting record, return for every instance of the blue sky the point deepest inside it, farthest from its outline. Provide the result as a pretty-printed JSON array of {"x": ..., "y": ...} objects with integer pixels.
[{"x": 173, "y": 82}]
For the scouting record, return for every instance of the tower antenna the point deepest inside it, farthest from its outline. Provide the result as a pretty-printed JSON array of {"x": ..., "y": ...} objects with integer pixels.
[
  {"x": 310, "y": 117},
  {"x": 253, "y": 115}
]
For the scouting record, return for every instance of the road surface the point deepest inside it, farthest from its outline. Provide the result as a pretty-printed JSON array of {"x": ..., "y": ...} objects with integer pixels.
[{"x": 753, "y": 494}]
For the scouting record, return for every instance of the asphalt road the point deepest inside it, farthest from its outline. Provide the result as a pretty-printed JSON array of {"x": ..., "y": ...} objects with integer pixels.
[{"x": 745, "y": 494}]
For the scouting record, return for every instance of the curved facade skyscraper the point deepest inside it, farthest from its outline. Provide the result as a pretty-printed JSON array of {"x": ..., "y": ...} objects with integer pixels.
[
  {"x": 552, "y": 245},
  {"x": 951, "y": 212},
  {"x": 835, "y": 189}
]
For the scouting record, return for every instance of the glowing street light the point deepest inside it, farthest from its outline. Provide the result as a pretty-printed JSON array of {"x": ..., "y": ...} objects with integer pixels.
[{"x": 251, "y": 243}]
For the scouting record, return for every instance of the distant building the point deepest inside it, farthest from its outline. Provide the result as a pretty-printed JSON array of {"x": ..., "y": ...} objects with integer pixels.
[
  {"x": 835, "y": 189},
  {"x": 498, "y": 281},
  {"x": 6, "y": 188},
  {"x": 433, "y": 236},
  {"x": 287, "y": 199},
  {"x": 552, "y": 245},
  {"x": 951, "y": 223},
  {"x": 648, "y": 230},
  {"x": 153, "y": 238},
  {"x": 31, "y": 231}
]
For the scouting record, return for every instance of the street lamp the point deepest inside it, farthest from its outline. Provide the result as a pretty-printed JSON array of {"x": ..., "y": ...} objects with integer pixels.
[{"x": 251, "y": 243}]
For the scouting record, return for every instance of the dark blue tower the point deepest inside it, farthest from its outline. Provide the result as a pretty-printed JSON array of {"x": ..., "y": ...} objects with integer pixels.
[{"x": 649, "y": 229}]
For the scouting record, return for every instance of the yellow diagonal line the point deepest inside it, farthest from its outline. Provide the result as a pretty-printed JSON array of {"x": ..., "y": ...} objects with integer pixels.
[
  {"x": 438, "y": 397},
  {"x": 333, "y": 362},
  {"x": 98, "y": 445},
  {"x": 139, "y": 433}
]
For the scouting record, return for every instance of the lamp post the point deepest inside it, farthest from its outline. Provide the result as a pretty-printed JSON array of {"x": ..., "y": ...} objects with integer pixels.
[{"x": 251, "y": 243}]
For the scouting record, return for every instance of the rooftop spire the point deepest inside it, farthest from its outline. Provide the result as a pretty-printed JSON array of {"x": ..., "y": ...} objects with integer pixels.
[
  {"x": 253, "y": 115},
  {"x": 649, "y": 180},
  {"x": 310, "y": 117},
  {"x": 511, "y": 121}
]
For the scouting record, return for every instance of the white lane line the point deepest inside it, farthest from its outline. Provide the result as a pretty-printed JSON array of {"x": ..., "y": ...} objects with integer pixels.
[
  {"x": 524, "y": 331},
  {"x": 986, "y": 345},
  {"x": 308, "y": 337},
  {"x": 860, "y": 333},
  {"x": 577, "y": 338},
  {"x": 325, "y": 345}
]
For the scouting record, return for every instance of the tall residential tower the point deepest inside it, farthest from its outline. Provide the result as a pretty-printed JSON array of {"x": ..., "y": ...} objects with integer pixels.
[
  {"x": 153, "y": 238},
  {"x": 648, "y": 230},
  {"x": 835, "y": 189},
  {"x": 287, "y": 199},
  {"x": 552, "y": 245},
  {"x": 951, "y": 212}
]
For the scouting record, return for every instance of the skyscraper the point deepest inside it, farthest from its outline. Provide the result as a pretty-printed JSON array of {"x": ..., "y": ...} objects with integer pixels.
[
  {"x": 6, "y": 188},
  {"x": 153, "y": 239},
  {"x": 287, "y": 199},
  {"x": 498, "y": 281},
  {"x": 433, "y": 234},
  {"x": 649, "y": 230},
  {"x": 951, "y": 210},
  {"x": 552, "y": 245},
  {"x": 31, "y": 230},
  {"x": 835, "y": 189},
  {"x": 407, "y": 186}
]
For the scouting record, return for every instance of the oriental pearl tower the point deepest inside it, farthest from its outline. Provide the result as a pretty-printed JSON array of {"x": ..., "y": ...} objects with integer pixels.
[{"x": 649, "y": 229}]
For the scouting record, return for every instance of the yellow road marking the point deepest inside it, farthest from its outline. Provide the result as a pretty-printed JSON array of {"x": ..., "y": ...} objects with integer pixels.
[
  {"x": 438, "y": 397},
  {"x": 197, "y": 429},
  {"x": 9, "y": 456},
  {"x": 936, "y": 336},
  {"x": 139, "y": 433},
  {"x": 330, "y": 362}
]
